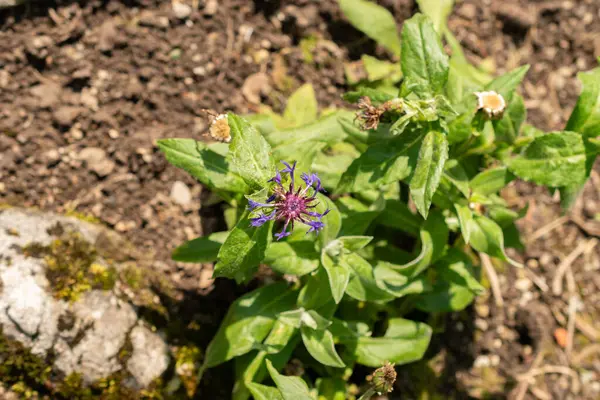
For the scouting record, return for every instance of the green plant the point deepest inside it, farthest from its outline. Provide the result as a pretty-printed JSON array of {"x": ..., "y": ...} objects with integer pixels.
[{"x": 414, "y": 177}]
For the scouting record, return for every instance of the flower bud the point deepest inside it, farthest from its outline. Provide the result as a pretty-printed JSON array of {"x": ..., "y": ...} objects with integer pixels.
[
  {"x": 492, "y": 104},
  {"x": 383, "y": 378}
]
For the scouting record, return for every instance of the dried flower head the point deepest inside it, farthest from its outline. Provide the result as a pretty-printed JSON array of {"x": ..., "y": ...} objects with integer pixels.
[
  {"x": 368, "y": 115},
  {"x": 219, "y": 128},
  {"x": 383, "y": 378},
  {"x": 491, "y": 103},
  {"x": 290, "y": 205}
]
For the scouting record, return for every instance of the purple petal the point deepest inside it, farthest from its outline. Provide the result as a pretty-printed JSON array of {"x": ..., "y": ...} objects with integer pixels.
[
  {"x": 271, "y": 198},
  {"x": 315, "y": 226},
  {"x": 289, "y": 169},
  {"x": 308, "y": 179},
  {"x": 254, "y": 204},
  {"x": 276, "y": 178},
  {"x": 261, "y": 219}
]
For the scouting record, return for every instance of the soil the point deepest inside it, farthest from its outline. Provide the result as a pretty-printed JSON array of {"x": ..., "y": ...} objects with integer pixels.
[{"x": 87, "y": 87}]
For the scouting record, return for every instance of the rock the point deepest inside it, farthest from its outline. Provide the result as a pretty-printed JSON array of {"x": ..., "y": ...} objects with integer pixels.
[
  {"x": 95, "y": 335},
  {"x": 107, "y": 36},
  {"x": 66, "y": 115},
  {"x": 10, "y": 3},
  {"x": 211, "y": 7},
  {"x": 148, "y": 18},
  {"x": 150, "y": 356},
  {"x": 256, "y": 85},
  {"x": 48, "y": 94},
  {"x": 97, "y": 161},
  {"x": 181, "y": 194},
  {"x": 181, "y": 10}
]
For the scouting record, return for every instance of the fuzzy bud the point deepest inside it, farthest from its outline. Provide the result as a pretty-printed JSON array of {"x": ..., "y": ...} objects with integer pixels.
[{"x": 383, "y": 378}]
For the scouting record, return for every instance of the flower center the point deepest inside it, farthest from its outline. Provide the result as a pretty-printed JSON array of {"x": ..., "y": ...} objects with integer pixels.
[{"x": 294, "y": 205}]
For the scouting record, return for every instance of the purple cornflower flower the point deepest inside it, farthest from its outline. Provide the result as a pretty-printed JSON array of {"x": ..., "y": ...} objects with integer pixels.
[{"x": 292, "y": 204}]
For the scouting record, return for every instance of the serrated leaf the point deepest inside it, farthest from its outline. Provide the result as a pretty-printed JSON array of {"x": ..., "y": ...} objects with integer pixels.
[
  {"x": 243, "y": 250},
  {"x": 556, "y": 159},
  {"x": 424, "y": 63},
  {"x": 374, "y": 21},
  {"x": 491, "y": 181},
  {"x": 427, "y": 174},
  {"x": 293, "y": 258},
  {"x": 320, "y": 346},
  {"x": 465, "y": 218},
  {"x": 487, "y": 237},
  {"x": 248, "y": 322},
  {"x": 455, "y": 287},
  {"x": 385, "y": 162},
  {"x": 249, "y": 153},
  {"x": 290, "y": 387},
  {"x": 262, "y": 392},
  {"x": 438, "y": 11},
  {"x": 302, "y": 107},
  {"x": 199, "y": 250},
  {"x": 585, "y": 117},
  {"x": 202, "y": 163},
  {"x": 362, "y": 284}
]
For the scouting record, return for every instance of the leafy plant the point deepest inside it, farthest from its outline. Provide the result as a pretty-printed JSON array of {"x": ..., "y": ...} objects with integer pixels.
[{"x": 414, "y": 180}]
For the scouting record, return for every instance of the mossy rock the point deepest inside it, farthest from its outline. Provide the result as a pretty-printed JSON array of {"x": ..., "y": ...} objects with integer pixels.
[{"x": 69, "y": 325}]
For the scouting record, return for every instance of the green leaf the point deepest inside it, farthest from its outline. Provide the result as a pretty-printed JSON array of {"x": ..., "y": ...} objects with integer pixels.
[
  {"x": 243, "y": 250},
  {"x": 424, "y": 63},
  {"x": 404, "y": 342},
  {"x": 374, "y": 21},
  {"x": 428, "y": 172},
  {"x": 355, "y": 243},
  {"x": 248, "y": 322},
  {"x": 438, "y": 11},
  {"x": 200, "y": 250},
  {"x": 397, "y": 215},
  {"x": 338, "y": 274},
  {"x": 487, "y": 237},
  {"x": 507, "y": 129},
  {"x": 331, "y": 389},
  {"x": 378, "y": 69},
  {"x": 331, "y": 164},
  {"x": 356, "y": 216},
  {"x": 556, "y": 159},
  {"x": 455, "y": 287},
  {"x": 398, "y": 284},
  {"x": 362, "y": 284},
  {"x": 202, "y": 163},
  {"x": 491, "y": 181},
  {"x": 508, "y": 83},
  {"x": 316, "y": 292},
  {"x": 385, "y": 162},
  {"x": 377, "y": 97},
  {"x": 585, "y": 117},
  {"x": 457, "y": 175},
  {"x": 434, "y": 236},
  {"x": 302, "y": 107},
  {"x": 294, "y": 258},
  {"x": 465, "y": 219},
  {"x": 249, "y": 153},
  {"x": 333, "y": 220},
  {"x": 262, "y": 392},
  {"x": 319, "y": 344},
  {"x": 291, "y": 387}
]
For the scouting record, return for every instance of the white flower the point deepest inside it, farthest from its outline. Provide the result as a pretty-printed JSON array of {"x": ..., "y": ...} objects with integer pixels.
[
  {"x": 491, "y": 103},
  {"x": 219, "y": 128}
]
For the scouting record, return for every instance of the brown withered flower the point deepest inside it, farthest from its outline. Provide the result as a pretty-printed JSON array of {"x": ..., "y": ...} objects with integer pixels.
[
  {"x": 219, "y": 126},
  {"x": 368, "y": 115}
]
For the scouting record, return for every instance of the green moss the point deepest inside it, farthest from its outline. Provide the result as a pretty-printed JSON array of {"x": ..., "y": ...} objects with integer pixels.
[
  {"x": 87, "y": 217},
  {"x": 71, "y": 267},
  {"x": 187, "y": 364}
]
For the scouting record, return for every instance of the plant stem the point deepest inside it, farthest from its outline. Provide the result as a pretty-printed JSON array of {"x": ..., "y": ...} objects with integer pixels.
[{"x": 367, "y": 395}]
